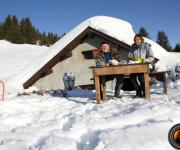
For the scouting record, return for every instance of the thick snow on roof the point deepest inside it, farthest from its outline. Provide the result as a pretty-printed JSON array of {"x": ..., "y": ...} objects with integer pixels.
[
  {"x": 167, "y": 59},
  {"x": 119, "y": 29}
]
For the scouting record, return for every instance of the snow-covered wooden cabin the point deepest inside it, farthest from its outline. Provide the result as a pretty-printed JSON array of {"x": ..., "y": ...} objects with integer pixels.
[{"x": 74, "y": 53}]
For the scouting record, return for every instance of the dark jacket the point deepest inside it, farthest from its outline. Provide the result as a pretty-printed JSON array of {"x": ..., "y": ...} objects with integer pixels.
[{"x": 103, "y": 58}]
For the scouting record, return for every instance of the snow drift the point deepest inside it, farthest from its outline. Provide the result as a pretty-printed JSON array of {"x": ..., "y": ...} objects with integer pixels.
[{"x": 15, "y": 57}]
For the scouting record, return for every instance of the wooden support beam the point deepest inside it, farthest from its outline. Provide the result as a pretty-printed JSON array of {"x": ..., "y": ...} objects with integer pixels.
[
  {"x": 47, "y": 72},
  {"x": 97, "y": 86},
  {"x": 65, "y": 56},
  {"x": 147, "y": 86},
  {"x": 103, "y": 88},
  {"x": 164, "y": 83}
]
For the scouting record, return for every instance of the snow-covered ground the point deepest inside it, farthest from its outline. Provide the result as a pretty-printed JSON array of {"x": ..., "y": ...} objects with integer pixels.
[{"x": 78, "y": 123}]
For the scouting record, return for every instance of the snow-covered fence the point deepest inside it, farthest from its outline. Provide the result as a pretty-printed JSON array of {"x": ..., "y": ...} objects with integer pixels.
[{"x": 1, "y": 90}]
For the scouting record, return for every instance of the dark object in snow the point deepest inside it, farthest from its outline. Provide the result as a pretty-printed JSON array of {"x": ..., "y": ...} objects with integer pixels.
[
  {"x": 23, "y": 94},
  {"x": 38, "y": 93},
  {"x": 69, "y": 81},
  {"x": 30, "y": 93},
  {"x": 60, "y": 93},
  {"x": 172, "y": 76},
  {"x": 177, "y": 71},
  {"x": 66, "y": 81}
]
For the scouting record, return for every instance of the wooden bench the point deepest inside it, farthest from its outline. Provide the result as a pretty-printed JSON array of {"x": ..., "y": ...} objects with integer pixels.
[{"x": 160, "y": 76}]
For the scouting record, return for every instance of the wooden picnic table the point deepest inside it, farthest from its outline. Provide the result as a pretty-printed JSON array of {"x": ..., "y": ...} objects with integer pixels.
[{"x": 119, "y": 69}]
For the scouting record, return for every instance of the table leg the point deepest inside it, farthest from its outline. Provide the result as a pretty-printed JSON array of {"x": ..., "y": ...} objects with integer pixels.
[
  {"x": 103, "y": 88},
  {"x": 147, "y": 86},
  {"x": 97, "y": 87},
  {"x": 164, "y": 84}
]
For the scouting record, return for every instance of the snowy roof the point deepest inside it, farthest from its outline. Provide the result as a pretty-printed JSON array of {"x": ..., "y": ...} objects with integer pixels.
[{"x": 116, "y": 28}]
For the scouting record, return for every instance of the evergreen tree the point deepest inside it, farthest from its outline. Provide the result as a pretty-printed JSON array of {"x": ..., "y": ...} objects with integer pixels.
[
  {"x": 38, "y": 36},
  {"x": 16, "y": 35},
  {"x": 144, "y": 32},
  {"x": 25, "y": 32},
  {"x": 11, "y": 29},
  {"x": 63, "y": 35},
  {"x": 162, "y": 39},
  {"x": 28, "y": 31},
  {"x": 177, "y": 48},
  {"x": 48, "y": 39},
  {"x": 7, "y": 27},
  {"x": 22, "y": 30},
  {"x": 56, "y": 38},
  {"x": 44, "y": 39},
  {"x": 1, "y": 31},
  {"x": 52, "y": 38}
]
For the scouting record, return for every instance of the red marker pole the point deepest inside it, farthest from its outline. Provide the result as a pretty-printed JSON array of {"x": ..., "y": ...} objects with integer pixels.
[{"x": 2, "y": 96}]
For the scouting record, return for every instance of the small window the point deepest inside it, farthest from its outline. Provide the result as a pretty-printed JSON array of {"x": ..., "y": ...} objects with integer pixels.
[{"x": 90, "y": 54}]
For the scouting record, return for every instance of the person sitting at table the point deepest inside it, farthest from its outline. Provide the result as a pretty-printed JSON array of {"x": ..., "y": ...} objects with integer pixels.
[
  {"x": 140, "y": 52},
  {"x": 108, "y": 56}
]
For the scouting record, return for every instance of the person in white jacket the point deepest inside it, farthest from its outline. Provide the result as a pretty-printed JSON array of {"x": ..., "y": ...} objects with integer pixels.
[{"x": 141, "y": 52}]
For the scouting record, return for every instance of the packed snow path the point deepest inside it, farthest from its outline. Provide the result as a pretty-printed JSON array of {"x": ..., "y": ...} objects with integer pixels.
[{"x": 74, "y": 123}]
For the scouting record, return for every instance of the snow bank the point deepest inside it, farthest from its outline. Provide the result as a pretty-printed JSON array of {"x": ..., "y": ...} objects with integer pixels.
[
  {"x": 15, "y": 57},
  {"x": 78, "y": 123},
  {"x": 167, "y": 59},
  {"x": 117, "y": 28}
]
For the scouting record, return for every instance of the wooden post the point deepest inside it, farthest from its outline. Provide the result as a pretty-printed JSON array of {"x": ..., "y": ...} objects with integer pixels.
[
  {"x": 97, "y": 87},
  {"x": 147, "y": 86},
  {"x": 103, "y": 88},
  {"x": 164, "y": 83}
]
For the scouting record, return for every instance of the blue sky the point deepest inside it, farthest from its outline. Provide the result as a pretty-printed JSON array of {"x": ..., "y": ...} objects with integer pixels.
[{"x": 60, "y": 16}]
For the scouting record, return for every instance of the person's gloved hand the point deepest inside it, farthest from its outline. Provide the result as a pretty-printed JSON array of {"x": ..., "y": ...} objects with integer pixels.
[
  {"x": 146, "y": 61},
  {"x": 131, "y": 56}
]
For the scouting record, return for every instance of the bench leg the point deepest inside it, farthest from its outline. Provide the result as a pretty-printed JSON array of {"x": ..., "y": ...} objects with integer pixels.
[
  {"x": 164, "y": 84},
  {"x": 147, "y": 86},
  {"x": 97, "y": 87},
  {"x": 103, "y": 88}
]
